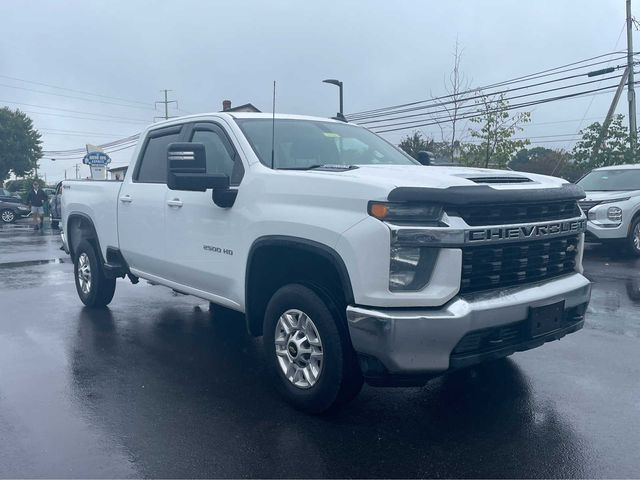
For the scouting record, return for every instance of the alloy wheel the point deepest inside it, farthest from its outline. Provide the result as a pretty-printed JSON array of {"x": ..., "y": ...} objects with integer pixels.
[
  {"x": 298, "y": 348},
  {"x": 8, "y": 216},
  {"x": 84, "y": 273}
]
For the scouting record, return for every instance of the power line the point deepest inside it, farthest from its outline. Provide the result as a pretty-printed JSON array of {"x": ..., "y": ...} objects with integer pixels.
[
  {"x": 477, "y": 112},
  {"x": 31, "y": 112},
  {"x": 74, "y": 97},
  {"x": 79, "y": 131},
  {"x": 533, "y": 76},
  {"x": 489, "y": 101},
  {"x": 73, "y": 90},
  {"x": 510, "y": 107},
  {"x": 73, "y": 111}
]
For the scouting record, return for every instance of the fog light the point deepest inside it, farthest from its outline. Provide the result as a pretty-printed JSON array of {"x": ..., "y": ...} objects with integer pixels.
[
  {"x": 614, "y": 214},
  {"x": 402, "y": 270},
  {"x": 410, "y": 268}
]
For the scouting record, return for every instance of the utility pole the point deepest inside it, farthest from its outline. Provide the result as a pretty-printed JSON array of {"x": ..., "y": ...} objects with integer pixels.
[
  {"x": 633, "y": 129},
  {"x": 166, "y": 103},
  {"x": 77, "y": 169},
  {"x": 612, "y": 108}
]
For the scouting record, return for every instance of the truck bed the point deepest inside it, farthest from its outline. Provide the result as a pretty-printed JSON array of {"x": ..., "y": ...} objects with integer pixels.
[{"x": 98, "y": 200}]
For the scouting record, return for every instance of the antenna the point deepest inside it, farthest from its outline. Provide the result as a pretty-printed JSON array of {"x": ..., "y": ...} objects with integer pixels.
[{"x": 273, "y": 126}]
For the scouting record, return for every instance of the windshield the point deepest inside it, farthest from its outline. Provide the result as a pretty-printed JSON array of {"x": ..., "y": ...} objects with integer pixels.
[
  {"x": 302, "y": 144},
  {"x": 611, "y": 180}
]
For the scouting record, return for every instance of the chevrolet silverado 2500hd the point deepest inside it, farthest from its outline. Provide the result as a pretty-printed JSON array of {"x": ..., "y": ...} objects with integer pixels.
[{"x": 352, "y": 260}]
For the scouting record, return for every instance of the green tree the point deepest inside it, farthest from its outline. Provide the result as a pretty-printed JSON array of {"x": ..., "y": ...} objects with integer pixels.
[
  {"x": 614, "y": 147},
  {"x": 20, "y": 145},
  {"x": 496, "y": 144},
  {"x": 414, "y": 143},
  {"x": 546, "y": 161}
]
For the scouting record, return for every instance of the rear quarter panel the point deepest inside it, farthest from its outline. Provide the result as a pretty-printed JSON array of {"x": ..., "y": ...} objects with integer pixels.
[{"x": 97, "y": 201}]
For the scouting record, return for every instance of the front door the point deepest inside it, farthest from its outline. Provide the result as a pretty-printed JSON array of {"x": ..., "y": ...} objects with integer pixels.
[
  {"x": 141, "y": 206},
  {"x": 202, "y": 237}
]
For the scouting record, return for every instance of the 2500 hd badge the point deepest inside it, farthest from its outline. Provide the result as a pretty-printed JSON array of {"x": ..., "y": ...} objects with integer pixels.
[{"x": 525, "y": 232}]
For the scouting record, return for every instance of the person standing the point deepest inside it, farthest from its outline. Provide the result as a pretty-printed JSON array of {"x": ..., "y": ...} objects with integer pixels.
[{"x": 36, "y": 199}]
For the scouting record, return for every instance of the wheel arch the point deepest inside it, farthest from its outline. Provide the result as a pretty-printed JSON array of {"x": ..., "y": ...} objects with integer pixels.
[
  {"x": 296, "y": 252},
  {"x": 80, "y": 227}
]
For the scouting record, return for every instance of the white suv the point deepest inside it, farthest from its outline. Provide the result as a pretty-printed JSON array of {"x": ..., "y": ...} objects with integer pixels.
[{"x": 612, "y": 205}]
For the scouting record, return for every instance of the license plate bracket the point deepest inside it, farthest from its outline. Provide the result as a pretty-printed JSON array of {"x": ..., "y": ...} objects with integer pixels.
[{"x": 545, "y": 319}]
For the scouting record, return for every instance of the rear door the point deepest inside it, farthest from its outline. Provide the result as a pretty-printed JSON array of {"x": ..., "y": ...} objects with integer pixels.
[{"x": 141, "y": 206}]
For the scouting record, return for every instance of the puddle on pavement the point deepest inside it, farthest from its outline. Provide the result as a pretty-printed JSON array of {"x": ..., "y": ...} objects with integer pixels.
[{"x": 31, "y": 263}]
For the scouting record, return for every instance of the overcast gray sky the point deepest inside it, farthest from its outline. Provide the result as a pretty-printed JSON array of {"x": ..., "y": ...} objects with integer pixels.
[{"x": 386, "y": 52}]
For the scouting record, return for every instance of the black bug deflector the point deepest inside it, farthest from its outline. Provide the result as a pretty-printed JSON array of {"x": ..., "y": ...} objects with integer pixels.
[{"x": 484, "y": 194}]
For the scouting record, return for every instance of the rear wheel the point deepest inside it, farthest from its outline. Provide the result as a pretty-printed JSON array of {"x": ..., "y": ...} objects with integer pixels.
[
  {"x": 93, "y": 287},
  {"x": 8, "y": 216},
  {"x": 633, "y": 240},
  {"x": 308, "y": 350}
]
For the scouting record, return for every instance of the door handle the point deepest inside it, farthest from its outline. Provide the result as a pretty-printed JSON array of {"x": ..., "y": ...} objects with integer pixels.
[
  {"x": 126, "y": 199},
  {"x": 176, "y": 202}
]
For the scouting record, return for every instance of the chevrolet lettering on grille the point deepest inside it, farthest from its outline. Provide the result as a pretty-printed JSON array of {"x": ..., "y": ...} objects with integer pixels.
[{"x": 525, "y": 232}]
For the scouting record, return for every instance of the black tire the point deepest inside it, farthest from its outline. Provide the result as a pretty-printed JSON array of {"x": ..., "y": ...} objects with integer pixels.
[
  {"x": 633, "y": 240},
  {"x": 100, "y": 289},
  {"x": 8, "y": 216},
  {"x": 340, "y": 379}
]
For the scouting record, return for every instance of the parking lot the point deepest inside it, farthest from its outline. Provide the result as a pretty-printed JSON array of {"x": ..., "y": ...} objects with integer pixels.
[{"x": 154, "y": 386}]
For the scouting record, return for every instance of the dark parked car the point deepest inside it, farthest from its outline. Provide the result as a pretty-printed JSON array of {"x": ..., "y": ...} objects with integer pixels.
[
  {"x": 55, "y": 201},
  {"x": 11, "y": 207}
]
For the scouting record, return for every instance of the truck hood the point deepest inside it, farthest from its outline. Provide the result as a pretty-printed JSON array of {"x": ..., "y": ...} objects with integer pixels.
[
  {"x": 599, "y": 196},
  {"x": 393, "y": 176}
]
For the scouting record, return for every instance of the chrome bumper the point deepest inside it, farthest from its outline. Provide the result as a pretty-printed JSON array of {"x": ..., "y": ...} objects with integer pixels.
[{"x": 420, "y": 341}]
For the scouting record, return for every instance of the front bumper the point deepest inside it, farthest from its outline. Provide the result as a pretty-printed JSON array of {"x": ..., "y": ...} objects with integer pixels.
[
  {"x": 598, "y": 232},
  {"x": 408, "y": 345}
]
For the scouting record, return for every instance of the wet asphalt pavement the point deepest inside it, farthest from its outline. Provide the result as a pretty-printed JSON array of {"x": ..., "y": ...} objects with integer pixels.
[{"x": 155, "y": 387}]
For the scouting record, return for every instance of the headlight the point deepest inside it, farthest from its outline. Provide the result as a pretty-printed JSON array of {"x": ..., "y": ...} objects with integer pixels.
[
  {"x": 614, "y": 214},
  {"x": 410, "y": 268},
  {"x": 406, "y": 213}
]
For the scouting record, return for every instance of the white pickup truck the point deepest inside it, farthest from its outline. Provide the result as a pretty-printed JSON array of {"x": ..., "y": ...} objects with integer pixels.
[{"x": 352, "y": 260}]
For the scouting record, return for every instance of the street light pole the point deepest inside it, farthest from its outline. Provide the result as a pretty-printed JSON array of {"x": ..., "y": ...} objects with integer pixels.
[{"x": 339, "y": 84}]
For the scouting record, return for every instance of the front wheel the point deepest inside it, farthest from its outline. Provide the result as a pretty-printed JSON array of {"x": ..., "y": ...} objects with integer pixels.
[
  {"x": 8, "y": 216},
  {"x": 308, "y": 350},
  {"x": 93, "y": 287},
  {"x": 633, "y": 240}
]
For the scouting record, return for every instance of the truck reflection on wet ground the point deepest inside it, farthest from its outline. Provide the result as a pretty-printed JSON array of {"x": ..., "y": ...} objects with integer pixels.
[{"x": 196, "y": 387}]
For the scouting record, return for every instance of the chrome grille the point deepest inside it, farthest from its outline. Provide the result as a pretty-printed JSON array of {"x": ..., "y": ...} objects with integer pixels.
[
  {"x": 500, "y": 214},
  {"x": 510, "y": 264}
]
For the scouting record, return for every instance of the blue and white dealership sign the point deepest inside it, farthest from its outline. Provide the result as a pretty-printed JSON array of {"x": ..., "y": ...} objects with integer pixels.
[{"x": 96, "y": 158}]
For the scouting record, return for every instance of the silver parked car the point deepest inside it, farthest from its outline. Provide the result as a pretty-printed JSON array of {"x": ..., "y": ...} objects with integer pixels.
[{"x": 612, "y": 205}]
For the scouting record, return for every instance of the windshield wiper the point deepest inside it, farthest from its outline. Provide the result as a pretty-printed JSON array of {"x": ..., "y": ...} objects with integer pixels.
[{"x": 327, "y": 166}]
